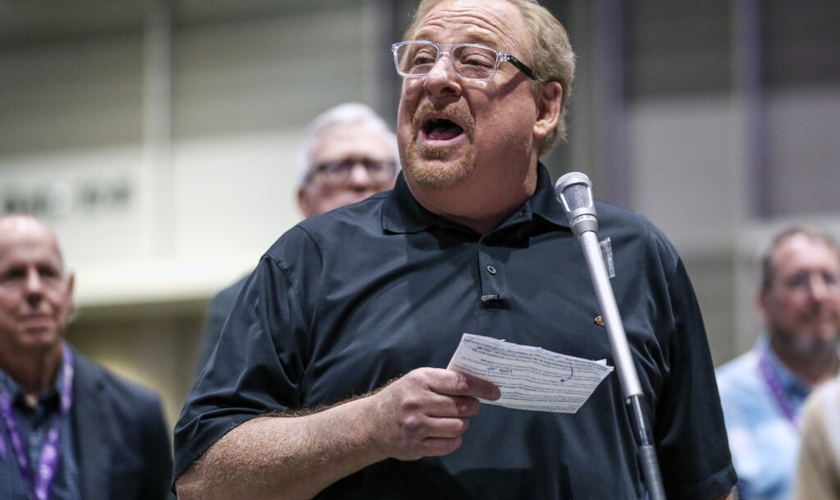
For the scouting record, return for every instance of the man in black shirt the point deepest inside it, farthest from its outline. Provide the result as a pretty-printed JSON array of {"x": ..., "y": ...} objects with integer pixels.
[{"x": 330, "y": 379}]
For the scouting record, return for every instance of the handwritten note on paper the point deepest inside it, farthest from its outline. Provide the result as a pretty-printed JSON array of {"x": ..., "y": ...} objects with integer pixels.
[{"x": 530, "y": 378}]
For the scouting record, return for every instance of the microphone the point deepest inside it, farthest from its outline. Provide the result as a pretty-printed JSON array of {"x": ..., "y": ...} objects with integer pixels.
[{"x": 574, "y": 192}]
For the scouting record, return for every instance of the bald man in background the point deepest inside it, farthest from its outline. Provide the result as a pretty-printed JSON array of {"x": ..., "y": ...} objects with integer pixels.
[{"x": 69, "y": 429}]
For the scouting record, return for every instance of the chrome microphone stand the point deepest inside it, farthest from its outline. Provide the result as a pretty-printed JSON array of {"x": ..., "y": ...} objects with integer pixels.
[{"x": 574, "y": 191}]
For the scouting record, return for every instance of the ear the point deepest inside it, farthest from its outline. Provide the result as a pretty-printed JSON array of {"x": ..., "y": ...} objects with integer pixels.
[
  {"x": 761, "y": 303},
  {"x": 549, "y": 105},
  {"x": 71, "y": 303},
  {"x": 304, "y": 203}
]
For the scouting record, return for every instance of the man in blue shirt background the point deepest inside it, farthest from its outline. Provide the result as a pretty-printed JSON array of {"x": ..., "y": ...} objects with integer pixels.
[{"x": 762, "y": 391}]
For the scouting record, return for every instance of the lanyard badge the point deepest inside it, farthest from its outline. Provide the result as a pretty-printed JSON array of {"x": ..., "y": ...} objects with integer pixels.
[{"x": 38, "y": 482}]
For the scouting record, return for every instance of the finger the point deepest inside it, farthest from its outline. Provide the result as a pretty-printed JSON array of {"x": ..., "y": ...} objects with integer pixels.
[
  {"x": 447, "y": 393},
  {"x": 448, "y": 428},
  {"x": 418, "y": 431},
  {"x": 436, "y": 447},
  {"x": 454, "y": 383},
  {"x": 457, "y": 406}
]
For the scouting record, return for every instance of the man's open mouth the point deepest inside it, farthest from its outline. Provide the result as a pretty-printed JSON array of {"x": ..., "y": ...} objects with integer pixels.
[{"x": 441, "y": 129}]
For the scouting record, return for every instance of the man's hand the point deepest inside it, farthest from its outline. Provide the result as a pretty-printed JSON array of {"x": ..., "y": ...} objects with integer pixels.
[{"x": 426, "y": 412}]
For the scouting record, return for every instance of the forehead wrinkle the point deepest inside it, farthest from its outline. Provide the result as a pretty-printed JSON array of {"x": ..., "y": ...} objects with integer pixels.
[
  {"x": 470, "y": 35},
  {"x": 472, "y": 26}
]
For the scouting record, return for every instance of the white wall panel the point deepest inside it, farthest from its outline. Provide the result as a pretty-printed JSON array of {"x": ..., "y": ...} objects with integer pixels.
[
  {"x": 74, "y": 94},
  {"x": 271, "y": 73},
  {"x": 100, "y": 234},
  {"x": 234, "y": 196},
  {"x": 803, "y": 151},
  {"x": 205, "y": 201},
  {"x": 687, "y": 176}
]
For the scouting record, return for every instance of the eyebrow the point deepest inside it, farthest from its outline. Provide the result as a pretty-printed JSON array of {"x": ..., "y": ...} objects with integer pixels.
[{"x": 473, "y": 36}]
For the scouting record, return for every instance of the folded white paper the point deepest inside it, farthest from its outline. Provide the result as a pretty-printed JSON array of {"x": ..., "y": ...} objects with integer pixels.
[{"x": 530, "y": 378}]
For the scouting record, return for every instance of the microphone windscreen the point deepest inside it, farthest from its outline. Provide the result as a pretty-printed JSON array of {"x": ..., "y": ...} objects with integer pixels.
[
  {"x": 574, "y": 190},
  {"x": 577, "y": 196}
]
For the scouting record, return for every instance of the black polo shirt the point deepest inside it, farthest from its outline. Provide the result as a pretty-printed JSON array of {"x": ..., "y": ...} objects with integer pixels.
[{"x": 346, "y": 301}]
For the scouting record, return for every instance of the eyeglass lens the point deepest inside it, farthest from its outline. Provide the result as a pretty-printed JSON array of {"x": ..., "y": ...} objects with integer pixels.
[
  {"x": 470, "y": 61},
  {"x": 340, "y": 170},
  {"x": 805, "y": 280}
]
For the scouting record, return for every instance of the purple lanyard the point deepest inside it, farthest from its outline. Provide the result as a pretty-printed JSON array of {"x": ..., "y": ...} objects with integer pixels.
[
  {"x": 777, "y": 391},
  {"x": 39, "y": 487}
]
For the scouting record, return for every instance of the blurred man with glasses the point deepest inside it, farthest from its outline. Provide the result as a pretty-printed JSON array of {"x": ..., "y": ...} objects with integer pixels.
[
  {"x": 337, "y": 386},
  {"x": 763, "y": 390},
  {"x": 347, "y": 154}
]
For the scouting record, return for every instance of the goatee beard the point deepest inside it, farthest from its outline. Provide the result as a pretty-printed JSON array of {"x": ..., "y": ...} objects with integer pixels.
[
  {"x": 427, "y": 165},
  {"x": 429, "y": 170}
]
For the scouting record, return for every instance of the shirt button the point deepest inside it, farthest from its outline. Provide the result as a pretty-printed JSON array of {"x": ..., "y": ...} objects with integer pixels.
[{"x": 491, "y": 269}]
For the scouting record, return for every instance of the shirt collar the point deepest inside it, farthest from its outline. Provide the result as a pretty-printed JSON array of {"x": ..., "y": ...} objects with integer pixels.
[
  {"x": 791, "y": 383},
  {"x": 402, "y": 213},
  {"x": 17, "y": 396}
]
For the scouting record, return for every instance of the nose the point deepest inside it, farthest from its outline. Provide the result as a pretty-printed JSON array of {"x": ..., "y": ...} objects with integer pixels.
[
  {"x": 33, "y": 281},
  {"x": 819, "y": 288},
  {"x": 34, "y": 287},
  {"x": 360, "y": 177},
  {"x": 441, "y": 78}
]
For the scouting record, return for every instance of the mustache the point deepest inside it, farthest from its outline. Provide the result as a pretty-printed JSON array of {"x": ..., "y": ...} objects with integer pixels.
[{"x": 459, "y": 112}]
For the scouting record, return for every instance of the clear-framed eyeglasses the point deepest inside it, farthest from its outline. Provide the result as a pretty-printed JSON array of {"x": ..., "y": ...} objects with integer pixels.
[
  {"x": 807, "y": 281},
  {"x": 337, "y": 172},
  {"x": 415, "y": 58}
]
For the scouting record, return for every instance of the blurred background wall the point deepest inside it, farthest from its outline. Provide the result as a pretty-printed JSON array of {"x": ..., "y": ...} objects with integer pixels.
[{"x": 158, "y": 139}]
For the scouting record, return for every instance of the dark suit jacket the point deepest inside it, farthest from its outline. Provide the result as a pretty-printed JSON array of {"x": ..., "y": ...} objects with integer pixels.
[
  {"x": 122, "y": 439},
  {"x": 217, "y": 313}
]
